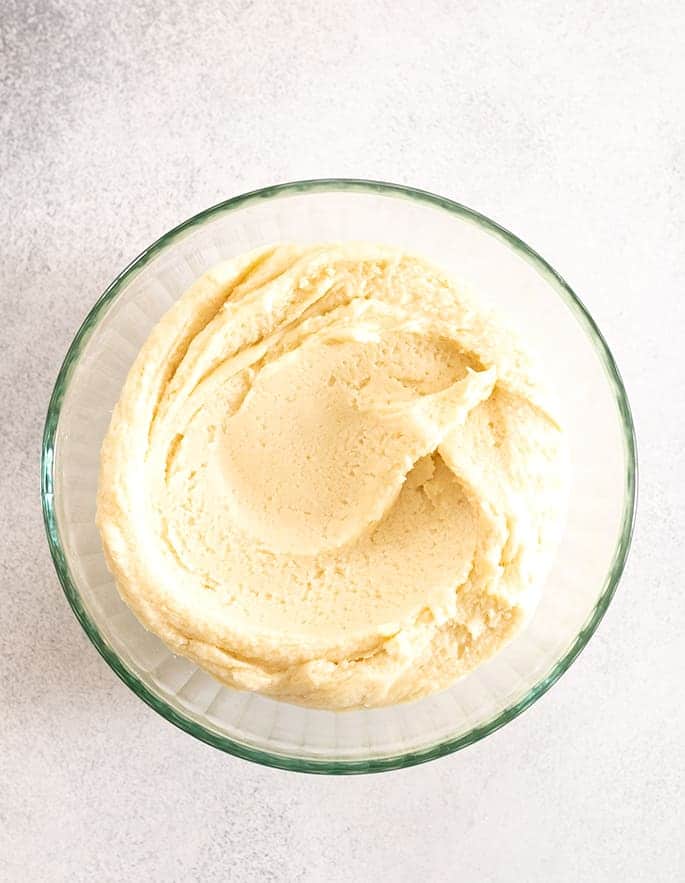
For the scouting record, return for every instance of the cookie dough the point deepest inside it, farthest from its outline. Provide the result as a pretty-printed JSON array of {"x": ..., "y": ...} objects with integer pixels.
[{"x": 331, "y": 477}]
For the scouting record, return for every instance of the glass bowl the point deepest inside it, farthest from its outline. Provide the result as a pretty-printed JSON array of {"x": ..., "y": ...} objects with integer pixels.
[{"x": 505, "y": 274}]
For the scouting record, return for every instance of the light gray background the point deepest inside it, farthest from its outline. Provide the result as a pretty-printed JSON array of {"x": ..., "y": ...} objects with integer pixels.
[{"x": 564, "y": 122}]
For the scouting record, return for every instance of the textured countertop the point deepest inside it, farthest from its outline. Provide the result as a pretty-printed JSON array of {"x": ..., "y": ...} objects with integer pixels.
[{"x": 565, "y": 123}]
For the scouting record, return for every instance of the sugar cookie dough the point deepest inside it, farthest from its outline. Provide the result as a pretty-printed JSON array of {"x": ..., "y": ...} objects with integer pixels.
[{"x": 331, "y": 477}]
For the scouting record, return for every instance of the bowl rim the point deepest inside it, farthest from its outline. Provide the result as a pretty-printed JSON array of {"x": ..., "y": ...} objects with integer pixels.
[{"x": 340, "y": 765}]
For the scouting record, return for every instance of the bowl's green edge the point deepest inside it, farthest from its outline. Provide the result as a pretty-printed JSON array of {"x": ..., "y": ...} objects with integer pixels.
[{"x": 311, "y": 765}]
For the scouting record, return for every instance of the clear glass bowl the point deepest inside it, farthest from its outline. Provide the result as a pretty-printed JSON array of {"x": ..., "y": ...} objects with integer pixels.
[{"x": 505, "y": 274}]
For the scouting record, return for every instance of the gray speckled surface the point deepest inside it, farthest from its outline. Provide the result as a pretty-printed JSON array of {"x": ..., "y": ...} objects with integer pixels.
[{"x": 564, "y": 122}]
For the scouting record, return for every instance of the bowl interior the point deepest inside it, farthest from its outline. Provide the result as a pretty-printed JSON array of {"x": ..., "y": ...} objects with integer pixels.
[{"x": 505, "y": 275}]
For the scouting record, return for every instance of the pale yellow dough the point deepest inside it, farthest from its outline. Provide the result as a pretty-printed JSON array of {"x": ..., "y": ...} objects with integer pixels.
[{"x": 330, "y": 478}]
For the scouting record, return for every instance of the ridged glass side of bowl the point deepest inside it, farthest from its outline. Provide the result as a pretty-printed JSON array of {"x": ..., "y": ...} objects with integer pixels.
[{"x": 505, "y": 274}]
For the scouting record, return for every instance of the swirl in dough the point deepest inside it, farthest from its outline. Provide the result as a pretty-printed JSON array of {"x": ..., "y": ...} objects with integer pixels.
[{"x": 331, "y": 478}]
